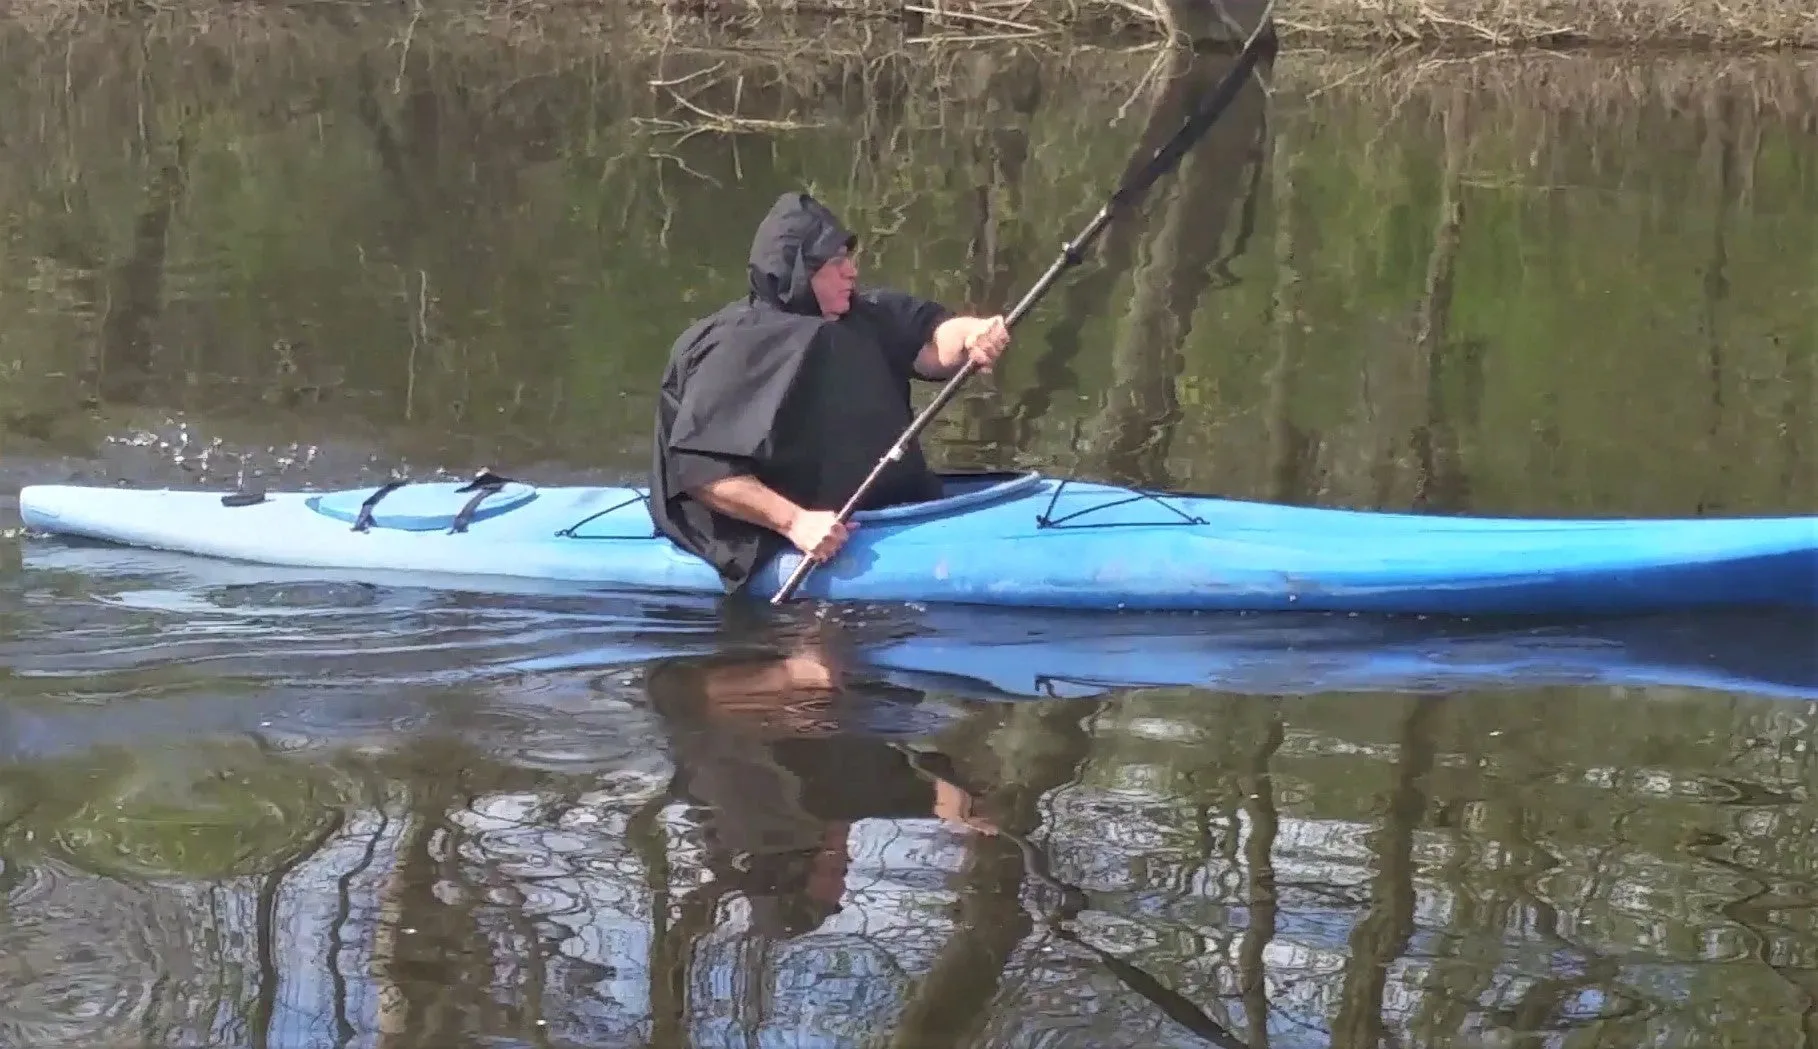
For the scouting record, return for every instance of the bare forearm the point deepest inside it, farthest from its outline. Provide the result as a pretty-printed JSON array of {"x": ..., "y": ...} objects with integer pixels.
[
  {"x": 816, "y": 533},
  {"x": 749, "y": 499},
  {"x": 945, "y": 350},
  {"x": 957, "y": 339}
]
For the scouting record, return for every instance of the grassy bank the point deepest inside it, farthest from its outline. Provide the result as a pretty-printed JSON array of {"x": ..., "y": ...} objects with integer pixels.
[{"x": 1326, "y": 24}]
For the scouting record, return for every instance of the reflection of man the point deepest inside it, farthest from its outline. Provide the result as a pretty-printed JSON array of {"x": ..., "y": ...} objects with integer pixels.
[{"x": 757, "y": 741}]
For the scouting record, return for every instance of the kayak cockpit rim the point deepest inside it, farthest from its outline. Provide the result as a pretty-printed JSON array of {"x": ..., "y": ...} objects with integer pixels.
[
  {"x": 968, "y": 491},
  {"x": 965, "y": 492}
]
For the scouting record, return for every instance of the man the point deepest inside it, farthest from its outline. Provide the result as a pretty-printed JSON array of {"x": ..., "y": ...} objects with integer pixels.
[{"x": 774, "y": 409}]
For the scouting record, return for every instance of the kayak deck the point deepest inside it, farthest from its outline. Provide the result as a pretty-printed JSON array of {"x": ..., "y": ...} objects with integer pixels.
[{"x": 1000, "y": 539}]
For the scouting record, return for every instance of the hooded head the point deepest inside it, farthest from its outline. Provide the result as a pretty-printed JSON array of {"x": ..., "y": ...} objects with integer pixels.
[{"x": 801, "y": 258}]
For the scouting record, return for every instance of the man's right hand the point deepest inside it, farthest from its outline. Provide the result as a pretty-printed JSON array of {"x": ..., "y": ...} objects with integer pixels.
[
  {"x": 819, "y": 533},
  {"x": 816, "y": 533}
]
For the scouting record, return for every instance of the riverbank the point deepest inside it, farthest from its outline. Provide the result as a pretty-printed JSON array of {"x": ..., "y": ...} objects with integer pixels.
[{"x": 1729, "y": 25}]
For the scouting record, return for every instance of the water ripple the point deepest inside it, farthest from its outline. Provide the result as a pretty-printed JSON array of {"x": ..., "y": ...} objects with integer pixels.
[
  {"x": 297, "y": 803},
  {"x": 82, "y": 959}
]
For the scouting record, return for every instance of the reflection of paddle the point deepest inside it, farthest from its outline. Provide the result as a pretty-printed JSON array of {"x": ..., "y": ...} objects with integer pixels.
[
  {"x": 1074, "y": 900},
  {"x": 1175, "y": 1005},
  {"x": 1126, "y": 196}
]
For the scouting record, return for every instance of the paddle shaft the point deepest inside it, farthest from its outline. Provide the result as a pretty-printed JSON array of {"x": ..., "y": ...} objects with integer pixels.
[{"x": 1166, "y": 157}]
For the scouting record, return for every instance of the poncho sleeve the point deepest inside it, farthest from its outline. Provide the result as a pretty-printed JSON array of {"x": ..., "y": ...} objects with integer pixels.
[
  {"x": 730, "y": 400},
  {"x": 904, "y": 323}
]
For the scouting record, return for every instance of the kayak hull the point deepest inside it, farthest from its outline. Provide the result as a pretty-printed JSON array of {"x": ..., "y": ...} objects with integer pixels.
[{"x": 1001, "y": 539}]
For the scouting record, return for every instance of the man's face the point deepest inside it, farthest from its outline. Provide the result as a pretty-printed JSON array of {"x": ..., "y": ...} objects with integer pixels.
[{"x": 833, "y": 284}]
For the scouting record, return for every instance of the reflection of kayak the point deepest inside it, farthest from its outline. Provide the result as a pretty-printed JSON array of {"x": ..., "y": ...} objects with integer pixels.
[
  {"x": 545, "y": 628},
  {"x": 1018, "y": 540},
  {"x": 1017, "y": 654}
]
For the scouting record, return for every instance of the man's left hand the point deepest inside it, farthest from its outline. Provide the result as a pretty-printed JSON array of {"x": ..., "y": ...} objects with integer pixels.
[{"x": 987, "y": 341}]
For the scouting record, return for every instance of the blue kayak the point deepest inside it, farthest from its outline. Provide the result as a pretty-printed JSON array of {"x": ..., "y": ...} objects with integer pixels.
[{"x": 1022, "y": 540}]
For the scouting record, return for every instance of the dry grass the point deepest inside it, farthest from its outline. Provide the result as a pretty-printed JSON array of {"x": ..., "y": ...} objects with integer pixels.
[
  {"x": 696, "y": 77},
  {"x": 868, "y": 24},
  {"x": 1745, "y": 24},
  {"x": 1586, "y": 85}
]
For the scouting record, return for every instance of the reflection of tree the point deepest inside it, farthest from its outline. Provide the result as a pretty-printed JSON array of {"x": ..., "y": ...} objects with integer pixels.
[
  {"x": 451, "y": 899},
  {"x": 1798, "y": 425},
  {"x": 1180, "y": 250},
  {"x": 1173, "y": 247},
  {"x": 1261, "y": 902},
  {"x": 1543, "y": 1004},
  {"x": 1381, "y": 937},
  {"x": 345, "y": 1031},
  {"x": 417, "y": 944},
  {"x": 998, "y": 159},
  {"x": 1786, "y": 951},
  {"x": 1721, "y": 126},
  {"x": 670, "y": 945},
  {"x": 133, "y": 832},
  {"x": 1440, "y": 478},
  {"x": 1561, "y": 863},
  {"x": 999, "y": 155},
  {"x": 1291, "y": 450},
  {"x": 264, "y": 1009},
  {"x": 122, "y": 363},
  {"x": 1453, "y": 987},
  {"x": 1035, "y": 749}
]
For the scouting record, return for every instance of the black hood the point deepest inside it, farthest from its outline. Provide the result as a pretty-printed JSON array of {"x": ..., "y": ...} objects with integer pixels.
[{"x": 795, "y": 239}]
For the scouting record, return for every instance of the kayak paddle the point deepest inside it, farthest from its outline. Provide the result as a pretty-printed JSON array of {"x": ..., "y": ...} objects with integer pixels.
[{"x": 1166, "y": 157}]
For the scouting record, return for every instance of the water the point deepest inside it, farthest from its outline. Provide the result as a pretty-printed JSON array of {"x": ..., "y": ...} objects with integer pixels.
[{"x": 250, "y": 808}]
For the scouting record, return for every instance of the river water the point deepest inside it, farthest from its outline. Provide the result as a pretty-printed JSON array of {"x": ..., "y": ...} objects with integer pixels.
[{"x": 242, "y": 807}]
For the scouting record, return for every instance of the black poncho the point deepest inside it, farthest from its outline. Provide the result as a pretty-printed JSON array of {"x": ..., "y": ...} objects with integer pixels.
[{"x": 767, "y": 387}]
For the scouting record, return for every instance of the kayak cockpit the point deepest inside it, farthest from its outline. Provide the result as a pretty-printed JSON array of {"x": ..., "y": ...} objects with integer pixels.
[
  {"x": 962, "y": 492},
  {"x": 626, "y": 513}
]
